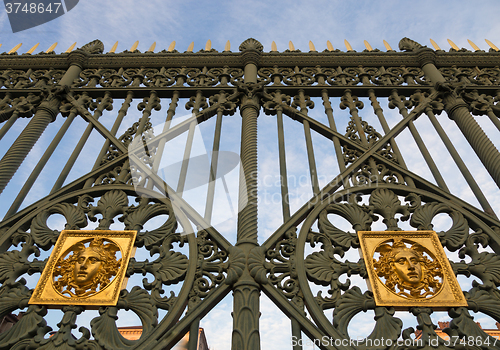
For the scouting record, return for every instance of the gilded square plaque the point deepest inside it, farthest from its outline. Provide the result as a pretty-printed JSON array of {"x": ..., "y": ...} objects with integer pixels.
[
  {"x": 85, "y": 268},
  {"x": 409, "y": 268}
]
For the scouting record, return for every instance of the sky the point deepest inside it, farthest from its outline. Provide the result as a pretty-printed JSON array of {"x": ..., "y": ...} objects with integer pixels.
[{"x": 127, "y": 21}]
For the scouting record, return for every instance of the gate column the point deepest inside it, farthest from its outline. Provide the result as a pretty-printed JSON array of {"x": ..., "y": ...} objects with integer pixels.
[
  {"x": 46, "y": 113},
  {"x": 246, "y": 291},
  {"x": 457, "y": 110}
]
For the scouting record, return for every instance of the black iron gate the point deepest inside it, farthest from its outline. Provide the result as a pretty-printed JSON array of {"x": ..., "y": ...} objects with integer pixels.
[{"x": 301, "y": 267}]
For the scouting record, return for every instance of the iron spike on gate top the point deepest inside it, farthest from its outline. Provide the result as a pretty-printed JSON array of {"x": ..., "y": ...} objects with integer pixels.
[
  {"x": 409, "y": 268},
  {"x": 86, "y": 268}
]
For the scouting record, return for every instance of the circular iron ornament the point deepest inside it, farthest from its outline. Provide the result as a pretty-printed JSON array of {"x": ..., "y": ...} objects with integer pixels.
[
  {"x": 312, "y": 306},
  {"x": 466, "y": 234},
  {"x": 113, "y": 200}
]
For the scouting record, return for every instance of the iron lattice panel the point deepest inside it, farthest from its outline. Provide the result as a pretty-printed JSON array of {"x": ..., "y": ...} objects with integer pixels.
[{"x": 189, "y": 274}]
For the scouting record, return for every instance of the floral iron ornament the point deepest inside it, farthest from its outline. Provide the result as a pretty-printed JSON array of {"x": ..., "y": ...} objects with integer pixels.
[
  {"x": 407, "y": 269},
  {"x": 84, "y": 269}
]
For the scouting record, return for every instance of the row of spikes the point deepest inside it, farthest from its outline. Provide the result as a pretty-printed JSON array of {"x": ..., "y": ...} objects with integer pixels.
[
  {"x": 274, "y": 48},
  {"x": 386, "y": 44}
]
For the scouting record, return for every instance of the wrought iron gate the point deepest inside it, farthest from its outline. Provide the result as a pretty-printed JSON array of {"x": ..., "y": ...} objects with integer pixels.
[{"x": 306, "y": 253}]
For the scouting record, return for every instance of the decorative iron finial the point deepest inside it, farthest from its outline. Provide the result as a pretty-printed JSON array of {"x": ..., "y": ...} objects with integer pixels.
[
  {"x": 311, "y": 46},
  {"x": 51, "y": 48},
  {"x": 15, "y": 48},
  {"x": 152, "y": 48},
  {"x": 79, "y": 57},
  {"x": 250, "y": 51},
  {"x": 487, "y": 42},
  {"x": 208, "y": 45},
  {"x": 71, "y": 48},
  {"x": 407, "y": 44},
  {"x": 190, "y": 47},
  {"x": 329, "y": 46},
  {"x": 94, "y": 47},
  {"x": 368, "y": 46},
  {"x": 113, "y": 49},
  {"x": 425, "y": 55},
  {"x": 435, "y": 45},
  {"x": 474, "y": 46},
  {"x": 251, "y": 44},
  {"x": 228, "y": 46},
  {"x": 171, "y": 47},
  {"x": 387, "y": 46},
  {"x": 453, "y": 45},
  {"x": 30, "y": 51},
  {"x": 273, "y": 47},
  {"x": 134, "y": 46},
  {"x": 290, "y": 46},
  {"x": 347, "y": 45}
]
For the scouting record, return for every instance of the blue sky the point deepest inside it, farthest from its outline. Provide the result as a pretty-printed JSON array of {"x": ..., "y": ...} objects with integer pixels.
[
  {"x": 198, "y": 21},
  {"x": 319, "y": 21}
]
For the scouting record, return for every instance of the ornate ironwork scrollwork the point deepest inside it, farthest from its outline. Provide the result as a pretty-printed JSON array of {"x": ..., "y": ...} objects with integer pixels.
[{"x": 169, "y": 268}]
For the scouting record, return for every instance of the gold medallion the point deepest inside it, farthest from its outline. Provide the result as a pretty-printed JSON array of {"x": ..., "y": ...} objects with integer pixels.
[
  {"x": 409, "y": 268},
  {"x": 85, "y": 268}
]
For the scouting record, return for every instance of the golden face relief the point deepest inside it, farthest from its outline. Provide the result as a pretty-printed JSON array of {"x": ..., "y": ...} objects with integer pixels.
[
  {"x": 86, "y": 270},
  {"x": 87, "y": 266},
  {"x": 408, "y": 269}
]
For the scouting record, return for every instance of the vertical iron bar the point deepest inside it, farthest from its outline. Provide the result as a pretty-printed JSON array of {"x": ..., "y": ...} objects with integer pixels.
[
  {"x": 335, "y": 139},
  {"x": 78, "y": 148},
  {"x": 147, "y": 106},
  {"x": 352, "y": 102},
  {"x": 296, "y": 334},
  {"x": 119, "y": 118},
  {"x": 194, "y": 334},
  {"x": 152, "y": 102},
  {"x": 380, "y": 114},
  {"x": 213, "y": 168},
  {"x": 185, "y": 159},
  {"x": 460, "y": 163},
  {"x": 105, "y": 148},
  {"x": 41, "y": 164},
  {"x": 310, "y": 157},
  {"x": 8, "y": 124},
  {"x": 301, "y": 101},
  {"x": 161, "y": 144},
  {"x": 420, "y": 143},
  {"x": 494, "y": 119},
  {"x": 285, "y": 200},
  {"x": 189, "y": 142}
]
